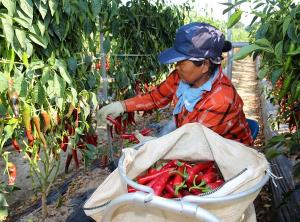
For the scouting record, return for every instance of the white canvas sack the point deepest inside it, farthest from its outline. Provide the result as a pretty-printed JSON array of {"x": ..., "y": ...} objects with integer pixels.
[{"x": 190, "y": 142}]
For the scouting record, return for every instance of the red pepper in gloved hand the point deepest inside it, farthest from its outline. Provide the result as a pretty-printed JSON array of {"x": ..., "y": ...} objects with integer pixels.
[{"x": 197, "y": 168}]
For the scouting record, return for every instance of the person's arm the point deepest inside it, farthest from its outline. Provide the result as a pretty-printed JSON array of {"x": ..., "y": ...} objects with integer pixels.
[{"x": 157, "y": 98}]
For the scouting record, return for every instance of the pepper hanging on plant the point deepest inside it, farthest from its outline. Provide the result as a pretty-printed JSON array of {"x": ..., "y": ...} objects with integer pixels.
[
  {"x": 26, "y": 114},
  {"x": 12, "y": 173},
  {"x": 46, "y": 120},
  {"x": 13, "y": 98},
  {"x": 37, "y": 124}
]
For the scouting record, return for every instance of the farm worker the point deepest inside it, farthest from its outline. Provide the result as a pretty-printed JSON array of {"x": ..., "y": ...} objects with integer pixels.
[{"x": 197, "y": 87}]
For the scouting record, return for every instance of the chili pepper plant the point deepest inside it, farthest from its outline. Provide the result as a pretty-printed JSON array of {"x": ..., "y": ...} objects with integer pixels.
[{"x": 275, "y": 38}]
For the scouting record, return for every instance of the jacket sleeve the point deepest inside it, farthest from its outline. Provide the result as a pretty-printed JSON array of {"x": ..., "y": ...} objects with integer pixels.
[{"x": 157, "y": 98}]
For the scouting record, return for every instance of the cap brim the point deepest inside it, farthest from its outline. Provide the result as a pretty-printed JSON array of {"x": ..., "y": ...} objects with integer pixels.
[{"x": 170, "y": 56}]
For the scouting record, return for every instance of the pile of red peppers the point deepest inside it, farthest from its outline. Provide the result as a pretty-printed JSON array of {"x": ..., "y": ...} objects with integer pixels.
[{"x": 178, "y": 178}]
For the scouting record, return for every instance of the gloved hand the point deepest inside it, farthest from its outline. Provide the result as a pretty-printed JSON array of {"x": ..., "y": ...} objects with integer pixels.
[
  {"x": 114, "y": 109},
  {"x": 142, "y": 138}
]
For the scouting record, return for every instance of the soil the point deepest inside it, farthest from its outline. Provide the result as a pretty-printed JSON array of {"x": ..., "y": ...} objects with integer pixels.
[{"x": 85, "y": 181}]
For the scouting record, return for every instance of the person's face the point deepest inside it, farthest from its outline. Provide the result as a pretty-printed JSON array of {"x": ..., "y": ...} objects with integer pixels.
[{"x": 192, "y": 74}]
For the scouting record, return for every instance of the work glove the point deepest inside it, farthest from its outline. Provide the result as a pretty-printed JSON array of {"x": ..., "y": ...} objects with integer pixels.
[
  {"x": 114, "y": 109},
  {"x": 142, "y": 138}
]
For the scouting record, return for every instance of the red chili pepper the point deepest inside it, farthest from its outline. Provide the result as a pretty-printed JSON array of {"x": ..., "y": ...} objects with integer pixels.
[
  {"x": 172, "y": 163},
  {"x": 160, "y": 184},
  {"x": 168, "y": 195},
  {"x": 212, "y": 169},
  {"x": 196, "y": 169},
  {"x": 74, "y": 154},
  {"x": 145, "y": 131},
  {"x": 195, "y": 190},
  {"x": 130, "y": 189},
  {"x": 215, "y": 185},
  {"x": 116, "y": 123},
  {"x": 12, "y": 173},
  {"x": 178, "y": 179},
  {"x": 149, "y": 177},
  {"x": 169, "y": 188},
  {"x": 152, "y": 170},
  {"x": 64, "y": 143},
  {"x": 185, "y": 193},
  {"x": 16, "y": 145},
  {"x": 209, "y": 177},
  {"x": 131, "y": 120}
]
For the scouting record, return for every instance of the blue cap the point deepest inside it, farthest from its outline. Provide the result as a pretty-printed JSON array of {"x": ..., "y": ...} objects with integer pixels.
[{"x": 194, "y": 40}]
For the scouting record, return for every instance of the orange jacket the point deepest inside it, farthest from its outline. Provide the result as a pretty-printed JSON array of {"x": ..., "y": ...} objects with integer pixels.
[{"x": 220, "y": 109}]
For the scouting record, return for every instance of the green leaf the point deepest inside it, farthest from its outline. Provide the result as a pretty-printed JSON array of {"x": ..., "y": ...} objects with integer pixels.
[
  {"x": 4, "y": 83},
  {"x": 263, "y": 42},
  {"x": 10, "y": 5},
  {"x": 3, "y": 208},
  {"x": 7, "y": 131},
  {"x": 36, "y": 64},
  {"x": 59, "y": 102},
  {"x": 72, "y": 65},
  {"x": 94, "y": 101},
  {"x": 38, "y": 39},
  {"x": 18, "y": 79},
  {"x": 279, "y": 50},
  {"x": 46, "y": 75},
  {"x": 262, "y": 73},
  {"x": 43, "y": 8},
  {"x": 62, "y": 67},
  {"x": 275, "y": 75},
  {"x": 234, "y": 18},
  {"x": 22, "y": 22},
  {"x": 25, "y": 59},
  {"x": 258, "y": 5},
  {"x": 52, "y": 6},
  {"x": 296, "y": 52},
  {"x": 38, "y": 94},
  {"x": 273, "y": 152},
  {"x": 27, "y": 7},
  {"x": 286, "y": 22},
  {"x": 24, "y": 16},
  {"x": 228, "y": 9},
  {"x": 21, "y": 36},
  {"x": 85, "y": 108},
  {"x": 91, "y": 147},
  {"x": 293, "y": 32},
  {"x": 74, "y": 96},
  {"x": 59, "y": 85},
  {"x": 41, "y": 26},
  {"x": 8, "y": 29},
  {"x": 245, "y": 51},
  {"x": 96, "y": 7}
]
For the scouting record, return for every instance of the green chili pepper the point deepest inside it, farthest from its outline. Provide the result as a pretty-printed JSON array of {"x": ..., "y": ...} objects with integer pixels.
[{"x": 26, "y": 120}]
